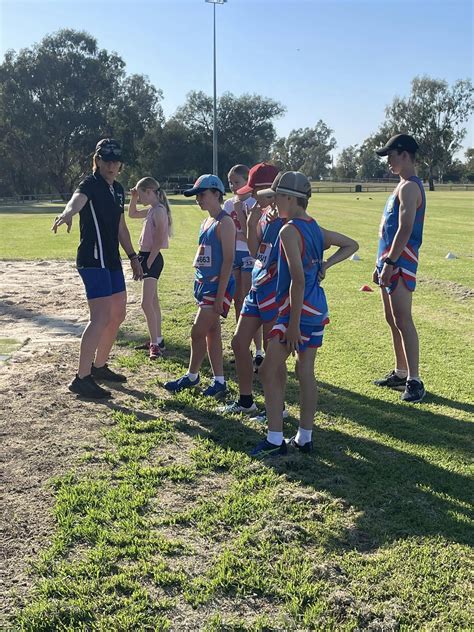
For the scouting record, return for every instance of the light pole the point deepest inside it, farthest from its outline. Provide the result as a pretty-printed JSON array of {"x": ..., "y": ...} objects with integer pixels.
[{"x": 214, "y": 129}]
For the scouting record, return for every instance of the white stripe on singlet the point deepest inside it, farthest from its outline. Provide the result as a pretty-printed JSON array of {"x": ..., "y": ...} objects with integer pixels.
[{"x": 99, "y": 240}]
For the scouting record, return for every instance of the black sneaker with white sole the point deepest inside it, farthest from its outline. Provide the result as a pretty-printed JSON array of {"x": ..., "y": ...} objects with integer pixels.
[
  {"x": 391, "y": 380},
  {"x": 104, "y": 373},
  {"x": 86, "y": 387},
  {"x": 414, "y": 392}
]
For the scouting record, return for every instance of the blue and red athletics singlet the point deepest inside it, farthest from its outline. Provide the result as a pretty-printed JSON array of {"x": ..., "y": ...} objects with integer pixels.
[
  {"x": 208, "y": 263},
  {"x": 314, "y": 314},
  {"x": 406, "y": 266},
  {"x": 260, "y": 302}
]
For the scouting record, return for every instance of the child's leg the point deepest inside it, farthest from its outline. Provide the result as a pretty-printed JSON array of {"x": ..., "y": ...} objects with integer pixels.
[
  {"x": 400, "y": 358},
  {"x": 257, "y": 339},
  {"x": 158, "y": 314},
  {"x": 246, "y": 328},
  {"x": 273, "y": 376},
  {"x": 401, "y": 303},
  {"x": 239, "y": 294},
  {"x": 214, "y": 348},
  {"x": 308, "y": 387},
  {"x": 149, "y": 302},
  {"x": 205, "y": 320}
]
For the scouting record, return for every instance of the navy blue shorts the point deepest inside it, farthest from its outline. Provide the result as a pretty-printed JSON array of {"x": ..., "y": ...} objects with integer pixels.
[{"x": 100, "y": 282}]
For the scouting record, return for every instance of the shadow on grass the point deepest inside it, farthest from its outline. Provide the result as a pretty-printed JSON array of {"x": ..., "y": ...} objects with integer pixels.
[{"x": 395, "y": 494}]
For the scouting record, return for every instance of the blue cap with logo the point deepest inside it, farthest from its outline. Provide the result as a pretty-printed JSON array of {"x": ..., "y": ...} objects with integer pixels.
[{"x": 206, "y": 181}]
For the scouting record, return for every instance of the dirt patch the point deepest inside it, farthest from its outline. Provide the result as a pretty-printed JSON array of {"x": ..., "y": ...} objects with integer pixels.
[
  {"x": 44, "y": 430},
  {"x": 454, "y": 290}
]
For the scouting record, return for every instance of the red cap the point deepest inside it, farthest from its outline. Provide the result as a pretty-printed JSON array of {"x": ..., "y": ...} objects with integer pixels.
[{"x": 260, "y": 175}]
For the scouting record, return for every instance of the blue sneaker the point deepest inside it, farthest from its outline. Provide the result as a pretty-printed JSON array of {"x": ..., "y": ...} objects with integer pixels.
[
  {"x": 179, "y": 385},
  {"x": 265, "y": 448},
  {"x": 306, "y": 448},
  {"x": 216, "y": 389}
]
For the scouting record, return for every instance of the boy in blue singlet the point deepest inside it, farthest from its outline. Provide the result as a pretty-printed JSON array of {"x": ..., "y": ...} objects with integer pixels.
[
  {"x": 302, "y": 310},
  {"x": 401, "y": 234},
  {"x": 214, "y": 286}
]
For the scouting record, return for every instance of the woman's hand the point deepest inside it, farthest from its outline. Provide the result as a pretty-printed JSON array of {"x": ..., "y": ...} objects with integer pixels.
[
  {"x": 59, "y": 220},
  {"x": 136, "y": 269}
]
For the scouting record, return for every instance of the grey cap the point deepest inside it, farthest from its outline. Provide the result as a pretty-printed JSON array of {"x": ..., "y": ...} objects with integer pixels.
[{"x": 292, "y": 183}]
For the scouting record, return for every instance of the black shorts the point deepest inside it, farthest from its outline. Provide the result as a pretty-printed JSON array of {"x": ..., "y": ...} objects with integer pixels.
[{"x": 156, "y": 268}]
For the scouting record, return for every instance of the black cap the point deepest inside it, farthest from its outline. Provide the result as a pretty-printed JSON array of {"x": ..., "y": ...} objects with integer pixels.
[
  {"x": 109, "y": 149},
  {"x": 400, "y": 142}
]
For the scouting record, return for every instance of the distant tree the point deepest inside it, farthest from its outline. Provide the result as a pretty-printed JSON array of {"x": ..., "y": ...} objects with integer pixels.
[
  {"x": 347, "y": 163},
  {"x": 469, "y": 165},
  {"x": 244, "y": 126},
  {"x": 433, "y": 114},
  {"x": 307, "y": 150},
  {"x": 59, "y": 97},
  {"x": 369, "y": 164}
]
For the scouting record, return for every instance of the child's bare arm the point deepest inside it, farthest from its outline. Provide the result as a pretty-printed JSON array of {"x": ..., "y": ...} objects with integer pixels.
[
  {"x": 292, "y": 246},
  {"x": 346, "y": 247},
  {"x": 133, "y": 212},
  {"x": 254, "y": 235},
  {"x": 227, "y": 237}
]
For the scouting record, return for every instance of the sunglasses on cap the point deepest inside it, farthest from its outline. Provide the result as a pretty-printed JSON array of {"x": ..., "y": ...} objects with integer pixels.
[{"x": 109, "y": 151}]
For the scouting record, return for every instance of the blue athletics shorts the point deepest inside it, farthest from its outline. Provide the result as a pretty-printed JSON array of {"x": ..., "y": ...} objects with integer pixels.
[{"x": 101, "y": 282}]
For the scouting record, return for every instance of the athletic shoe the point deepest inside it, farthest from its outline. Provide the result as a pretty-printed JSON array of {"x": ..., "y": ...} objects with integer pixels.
[
  {"x": 306, "y": 448},
  {"x": 216, "y": 389},
  {"x": 391, "y": 380},
  {"x": 155, "y": 352},
  {"x": 104, "y": 373},
  {"x": 262, "y": 417},
  {"x": 265, "y": 448},
  {"x": 235, "y": 409},
  {"x": 414, "y": 392},
  {"x": 181, "y": 383},
  {"x": 257, "y": 361},
  {"x": 143, "y": 347},
  {"x": 88, "y": 388},
  {"x": 162, "y": 345}
]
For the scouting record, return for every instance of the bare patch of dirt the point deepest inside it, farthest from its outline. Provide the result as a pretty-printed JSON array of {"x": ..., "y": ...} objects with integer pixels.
[{"x": 454, "y": 290}]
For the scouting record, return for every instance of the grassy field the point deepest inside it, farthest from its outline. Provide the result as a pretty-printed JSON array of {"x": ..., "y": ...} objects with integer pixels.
[{"x": 175, "y": 526}]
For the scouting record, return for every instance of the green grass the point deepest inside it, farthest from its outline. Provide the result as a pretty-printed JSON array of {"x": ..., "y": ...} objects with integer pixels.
[{"x": 174, "y": 522}]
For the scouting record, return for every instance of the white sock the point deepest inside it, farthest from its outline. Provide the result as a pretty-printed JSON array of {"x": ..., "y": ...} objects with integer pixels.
[
  {"x": 159, "y": 339},
  {"x": 192, "y": 376},
  {"x": 275, "y": 437},
  {"x": 303, "y": 436},
  {"x": 259, "y": 352},
  {"x": 414, "y": 377},
  {"x": 401, "y": 373},
  {"x": 219, "y": 378}
]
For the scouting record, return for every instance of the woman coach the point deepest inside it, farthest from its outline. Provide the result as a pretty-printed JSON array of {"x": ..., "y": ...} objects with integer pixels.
[{"x": 99, "y": 200}]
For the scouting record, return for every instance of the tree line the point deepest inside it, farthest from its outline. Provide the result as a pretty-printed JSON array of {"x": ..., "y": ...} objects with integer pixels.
[{"x": 60, "y": 96}]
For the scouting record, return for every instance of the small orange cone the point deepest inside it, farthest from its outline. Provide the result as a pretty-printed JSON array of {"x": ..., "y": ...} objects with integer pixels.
[{"x": 366, "y": 288}]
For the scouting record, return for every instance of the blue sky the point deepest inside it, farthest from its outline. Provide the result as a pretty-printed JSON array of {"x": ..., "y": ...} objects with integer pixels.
[{"x": 341, "y": 61}]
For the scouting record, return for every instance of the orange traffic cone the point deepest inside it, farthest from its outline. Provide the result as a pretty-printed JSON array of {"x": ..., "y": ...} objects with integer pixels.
[{"x": 366, "y": 288}]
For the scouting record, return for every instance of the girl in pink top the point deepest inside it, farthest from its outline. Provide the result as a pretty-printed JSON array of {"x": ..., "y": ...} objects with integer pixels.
[{"x": 153, "y": 239}]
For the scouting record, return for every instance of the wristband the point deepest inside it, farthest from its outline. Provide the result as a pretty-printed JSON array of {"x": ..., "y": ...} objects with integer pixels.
[{"x": 390, "y": 262}]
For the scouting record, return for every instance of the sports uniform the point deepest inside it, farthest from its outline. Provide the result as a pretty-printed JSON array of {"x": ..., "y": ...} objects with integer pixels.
[
  {"x": 314, "y": 314},
  {"x": 260, "y": 302},
  {"x": 98, "y": 258},
  {"x": 243, "y": 259},
  {"x": 208, "y": 263},
  {"x": 407, "y": 264}
]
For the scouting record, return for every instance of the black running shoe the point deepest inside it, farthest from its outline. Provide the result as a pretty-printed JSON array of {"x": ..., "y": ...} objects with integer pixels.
[
  {"x": 414, "y": 392},
  {"x": 104, "y": 373},
  {"x": 391, "y": 380},
  {"x": 88, "y": 388},
  {"x": 162, "y": 345},
  {"x": 257, "y": 361},
  {"x": 306, "y": 448}
]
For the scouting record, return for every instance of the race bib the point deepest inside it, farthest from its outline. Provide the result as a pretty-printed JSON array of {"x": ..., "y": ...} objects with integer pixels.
[
  {"x": 247, "y": 262},
  {"x": 263, "y": 255},
  {"x": 203, "y": 258}
]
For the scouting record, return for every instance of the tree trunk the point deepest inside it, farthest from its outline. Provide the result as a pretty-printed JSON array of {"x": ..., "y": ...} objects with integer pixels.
[{"x": 430, "y": 179}]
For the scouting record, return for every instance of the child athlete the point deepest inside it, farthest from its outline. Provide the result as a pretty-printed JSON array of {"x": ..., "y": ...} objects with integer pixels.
[
  {"x": 303, "y": 311},
  {"x": 237, "y": 207},
  {"x": 153, "y": 239},
  {"x": 214, "y": 286}
]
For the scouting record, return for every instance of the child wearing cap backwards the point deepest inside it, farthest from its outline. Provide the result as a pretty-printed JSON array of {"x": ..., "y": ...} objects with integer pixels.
[
  {"x": 153, "y": 239},
  {"x": 214, "y": 286},
  {"x": 237, "y": 207},
  {"x": 259, "y": 308},
  {"x": 303, "y": 311},
  {"x": 401, "y": 234}
]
